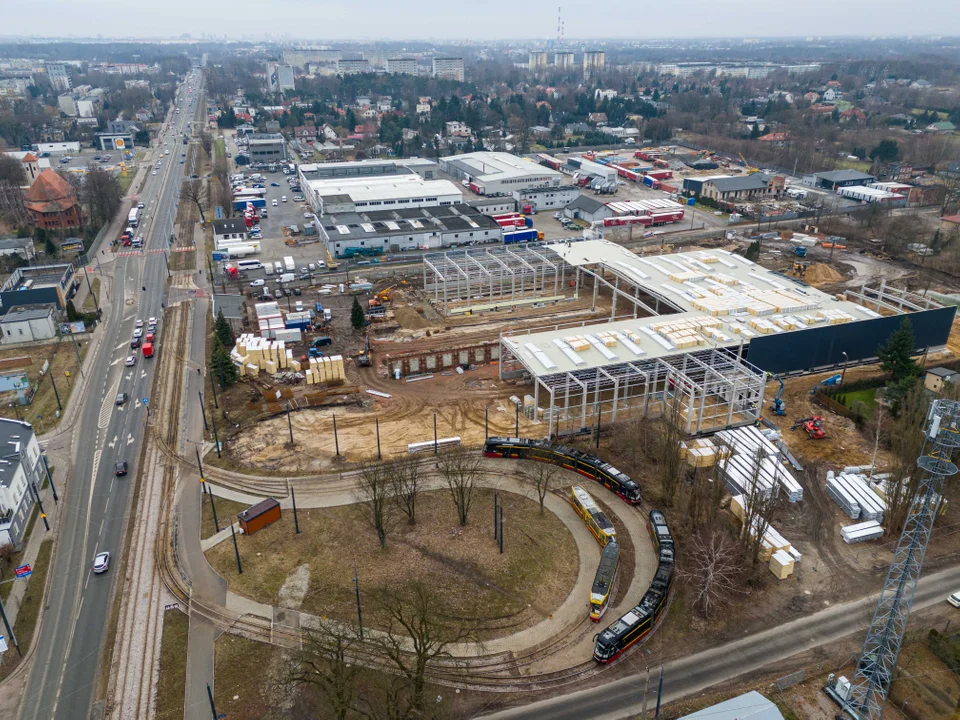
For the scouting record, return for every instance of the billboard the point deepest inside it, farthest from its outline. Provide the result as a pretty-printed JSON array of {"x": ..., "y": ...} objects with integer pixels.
[{"x": 73, "y": 328}]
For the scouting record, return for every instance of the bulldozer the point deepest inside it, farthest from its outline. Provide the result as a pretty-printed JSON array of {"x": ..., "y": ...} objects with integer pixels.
[{"x": 813, "y": 426}]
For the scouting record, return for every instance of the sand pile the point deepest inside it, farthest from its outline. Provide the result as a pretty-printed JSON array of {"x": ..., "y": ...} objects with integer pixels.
[
  {"x": 410, "y": 319},
  {"x": 822, "y": 274}
]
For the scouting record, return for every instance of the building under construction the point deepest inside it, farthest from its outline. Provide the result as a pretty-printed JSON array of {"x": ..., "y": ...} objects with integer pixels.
[{"x": 694, "y": 332}]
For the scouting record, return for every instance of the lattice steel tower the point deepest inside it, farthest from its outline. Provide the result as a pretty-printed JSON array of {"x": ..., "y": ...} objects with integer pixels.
[{"x": 871, "y": 683}]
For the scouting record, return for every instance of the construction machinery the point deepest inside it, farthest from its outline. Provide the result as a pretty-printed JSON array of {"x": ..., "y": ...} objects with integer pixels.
[
  {"x": 747, "y": 166},
  {"x": 363, "y": 357},
  {"x": 779, "y": 407},
  {"x": 331, "y": 263},
  {"x": 828, "y": 382},
  {"x": 813, "y": 426},
  {"x": 799, "y": 269}
]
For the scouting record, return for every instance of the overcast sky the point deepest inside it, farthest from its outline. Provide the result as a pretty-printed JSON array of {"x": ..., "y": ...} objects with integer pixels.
[{"x": 484, "y": 20}]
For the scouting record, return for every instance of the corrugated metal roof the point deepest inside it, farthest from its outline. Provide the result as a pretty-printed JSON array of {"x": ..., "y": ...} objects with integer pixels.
[{"x": 749, "y": 706}]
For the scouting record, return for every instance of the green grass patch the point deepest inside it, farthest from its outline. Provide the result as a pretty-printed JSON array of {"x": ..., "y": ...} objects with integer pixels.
[
  {"x": 867, "y": 396},
  {"x": 126, "y": 181},
  {"x": 226, "y": 513},
  {"x": 29, "y": 609},
  {"x": 848, "y": 164},
  {"x": 220, "y": 148},
  {"x": 171, "y": 685}
]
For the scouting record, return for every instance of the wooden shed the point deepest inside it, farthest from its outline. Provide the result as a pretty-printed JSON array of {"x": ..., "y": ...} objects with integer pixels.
[{"x": 256, "y": 517}]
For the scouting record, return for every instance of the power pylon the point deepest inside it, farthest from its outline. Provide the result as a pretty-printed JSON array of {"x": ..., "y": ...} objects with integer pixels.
[{"x": 878, "y": 660}]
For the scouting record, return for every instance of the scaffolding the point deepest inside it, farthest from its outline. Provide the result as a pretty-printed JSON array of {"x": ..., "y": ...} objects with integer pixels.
[
  {"x": 472, "y": 278},
  {"x": 709, "y": 389}
]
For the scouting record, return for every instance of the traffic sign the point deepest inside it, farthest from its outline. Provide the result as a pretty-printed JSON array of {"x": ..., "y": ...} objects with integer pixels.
[
  {"x": 23, "y": 571},
  {"x": 146, "y": 401},
  {"x": 3, "y": 644},
  {"x": 171, "y": 606}
]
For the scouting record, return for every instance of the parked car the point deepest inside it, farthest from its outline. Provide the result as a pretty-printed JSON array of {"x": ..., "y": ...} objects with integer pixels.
[
  {"x": 101, "y": 562},
  {"x": 274, "y": 201},
  {"x": 283, "y": 198},
  {"x": 274, "y": 184},
  {"x": 954, "y": 599},
  {"x": 297, "y": 291},
  {"x": 257, "y": 283},
  {"x": 298, "y": 198}
]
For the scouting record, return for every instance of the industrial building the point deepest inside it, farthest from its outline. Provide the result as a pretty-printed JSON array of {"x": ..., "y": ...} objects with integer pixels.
[
  {"x": 28, "y": 324},
  {"x": 22, "y": 472},
  {"x": 266, "y": 147},
  {"x": 494, "y": 206},
  {"x": 448, "y": 69},
  {"x": 699, "y": 329},
  {"x": 498, "y": 172},
  {"x": 873, "y": 195},
  {"x": 37, "y": 285},
  {"x": 427, "y": 169},
  {"x": 551, "y": 198},
  {"x": 736, "y": 189},
  {"x": 837, "y": 179},
  {"x": 350, "y": 187},
  {"x": 588, "y": 209},
  {"x": 382, "y": 231}
]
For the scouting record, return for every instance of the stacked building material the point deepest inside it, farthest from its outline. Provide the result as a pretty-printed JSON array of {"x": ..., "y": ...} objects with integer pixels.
[
  {"x": 325, "y": 370},
  {"x": 861, "y": 532},
  {"x": 772, "y": 541},
  {"x": 781, "y": 564},
  {"x": 703, "y": 452},
  {"x": 855, "y": 496},
  {"x": 755, "y": 460}
]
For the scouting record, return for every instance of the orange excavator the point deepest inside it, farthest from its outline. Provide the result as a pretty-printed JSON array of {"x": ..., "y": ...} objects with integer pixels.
[{"x": 813, "y": 426}]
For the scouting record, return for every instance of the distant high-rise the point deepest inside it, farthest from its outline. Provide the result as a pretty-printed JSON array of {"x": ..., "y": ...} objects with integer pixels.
[
  {"x": 301, "y": 57},
  {"x": 402, "y": 66},
  {"x": 279, "y": 77},
  {"x": 448, "y": 68},
  {"x": 593, "y": 60},
  {"x": 537, "y": 61},
  {"x": 563, "y": 60},
  {"x": 353, "y": 66},
  {"x": 59, "y": 76}
]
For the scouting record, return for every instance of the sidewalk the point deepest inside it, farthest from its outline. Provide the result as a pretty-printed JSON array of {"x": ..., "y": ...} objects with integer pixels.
[{"x": 32, "y": 549}]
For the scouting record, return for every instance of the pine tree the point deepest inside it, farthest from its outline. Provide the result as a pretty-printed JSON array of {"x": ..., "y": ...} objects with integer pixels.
[
  {"x": 71, "y": 311},
  {"x": 896, "y": 353},
  {"x": 356, "y": 314},
  {"x": 221, "y": 365},
  {"x": 223, "y": 330}
]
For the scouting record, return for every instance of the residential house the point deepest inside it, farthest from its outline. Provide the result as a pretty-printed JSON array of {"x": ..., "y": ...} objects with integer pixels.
[
  {"x": 937, "y": 377},
  {"x": 305, "y": 132},
  {"x": 385, "y": 104},
  {"x": 23, "y": 247},
  {"x": 52, "y": 202},
  {"x": 832, "y": 94},
  {"x": 577, "y": 128},
  {"x": 457, "y": 128},
  {"x": 944, "y": 126},
  {"x": 854, "y": 114},
  {"x": 950, "y": 224},
  {"x": 229, "y": 229},
  {"x": 21, "y": 474},
  {"x": 812, "y": 96},
  {"x": 597, "y": 118}
]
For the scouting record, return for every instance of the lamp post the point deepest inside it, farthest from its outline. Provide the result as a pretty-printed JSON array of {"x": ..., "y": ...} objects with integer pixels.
[{"x": 843, "y": 373}]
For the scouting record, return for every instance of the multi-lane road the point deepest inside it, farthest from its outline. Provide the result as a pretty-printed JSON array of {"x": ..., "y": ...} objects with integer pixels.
[{"x": 66, "y": 668}]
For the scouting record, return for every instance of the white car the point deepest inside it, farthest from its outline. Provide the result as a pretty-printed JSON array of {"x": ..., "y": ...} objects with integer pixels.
[
  {"x": 154, "y": 172},
  {"x": 140, "y": 206},
  {"x": 308, "y": 215},
  {"x": 131, "y": 360},
  {"x": 139, "y": 323},
  {"x": 259, "y": 282},
  {"x": 152, "y": 321},
  {"x": 101, "y": 562},
  {"x": 311, "y": 267},
  {"x": 283, "y": 198},
  {"x": 274, "y": 201},
  {"x": 954, "y": 599}
]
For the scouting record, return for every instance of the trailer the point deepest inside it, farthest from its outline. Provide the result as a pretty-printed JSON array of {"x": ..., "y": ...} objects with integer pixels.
[
  {"x": 508, "y": 220},
  {"x": 628, "y": 220},
  {"x": 651, "y": 182},
  {"x": 518, "y": 236},
  {"x": 478, "y": 189},
  {"x": 660, "y": 174},
  {"x": 671, "y": 216},
  {"x": 239, "y": 251},
  {"x": 255, "y": 202}
]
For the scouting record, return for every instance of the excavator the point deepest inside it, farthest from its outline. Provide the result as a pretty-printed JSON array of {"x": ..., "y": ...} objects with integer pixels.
[
  {"x": 363, "y": 357},
  {"x": 813, "y": 426},
  {"x": 331, "y": 263},
  {"x": 747, "y": 166},
  {"x": 779, "y": 408}
]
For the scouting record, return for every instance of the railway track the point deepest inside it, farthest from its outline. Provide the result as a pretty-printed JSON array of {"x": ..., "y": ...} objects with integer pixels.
[{"x": 135, "y": 662}]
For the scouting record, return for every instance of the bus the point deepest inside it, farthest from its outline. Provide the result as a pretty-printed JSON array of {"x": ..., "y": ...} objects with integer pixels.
[
  {"x": 133, "y": 219},
  {"x": 249, "y": 265}
]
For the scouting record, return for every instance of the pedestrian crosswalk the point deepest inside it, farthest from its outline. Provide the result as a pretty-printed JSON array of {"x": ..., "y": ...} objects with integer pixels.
[{"x": 128, "y": 253}]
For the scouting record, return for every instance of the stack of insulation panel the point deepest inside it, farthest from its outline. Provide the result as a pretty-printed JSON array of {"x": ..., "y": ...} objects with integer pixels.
[
  {"x": 252, "y": 354},
  {"x": 753, "y": 456},
  {"x": 325, "y": 369},
  {"x": 855, "y": 496},
  {"x": 772, "y": 541},
  {"x": 861, "y": 532},
  {"x": 781, "y": 564}
]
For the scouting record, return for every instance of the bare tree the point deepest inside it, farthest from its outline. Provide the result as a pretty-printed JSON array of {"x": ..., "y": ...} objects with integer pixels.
[
  {"x": 906, "y": 443},
  {"x": 11, "y": 203},
  {"x": 461, "y": 470},
  {"x": 713, "y": 568},
  {"x": 374, "y": 489},
  {"x": 541, "y": 476},
  {"x": 669, "y": 454},
  {"x": 192, "y": 191},
  {"x": 406, "y": 482},
  {"x": 11, "y": 171},
  {"x": 760, "y": 503},
  {"x": 323, "y": 662},
  {"x": 416, "y": 636},
  {"x": 206, "y": 142}
]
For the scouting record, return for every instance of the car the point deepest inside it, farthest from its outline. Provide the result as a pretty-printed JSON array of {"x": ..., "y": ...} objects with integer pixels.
[
  {"x": 138, "y": 323},
  {"x": 120, "y": 468},
  {"x": 140, "y": 206},
  {"x": 96, "y": 157},
  {"x": 297, "y": 292},
  {"x": 298, "y": 198},
  {"x": 259, "y": 282},
  {"x": 283, "y": 198},
  {"x": 121, "y": 398},
  {"x": 181, "y": 161},
  {"x": 152, "y": 321},
  {"x": 135, "y": 343},
  {"x": 131, "y": 360},
  {"x": 138, "y": 333},
  {"x": 286, "y": 291},
  {"x": 303, "y": 271},
  {"x": 274, "y": 184},
  {"x": 954, "y": 599},
  {"x": 308, "y": 215},
  {"x": 194, "y": 177},
  {"x": 311, "y": 267},
  {"x": 274, "y": 201},
  {"x": 299, "y": 306},
  {"x": 167, "y": 152},
  {"x": 101, "y": 562},
  {"x": 154, "y": 172}
]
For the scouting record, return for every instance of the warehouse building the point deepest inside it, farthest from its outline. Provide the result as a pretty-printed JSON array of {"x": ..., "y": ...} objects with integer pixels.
[
  {"x": 29, "y": 324},
  {"x": 587, "y": 209},
  {"x": 873, "y": 195},
  {"x": 266, "y": 147},
  {"x": 700, "y": 329},
  {"x": 552, "y": 198},
  {"x": 380, "y": 192},
  {"x": 382, "y": 231},
  {"x": 841, "y": 178},
  {"x": 427, "y": 169},
  {"x": 494, "y": 206},
  {"x": 499, "y": 172},
  {"x": 37, "y": 285}
]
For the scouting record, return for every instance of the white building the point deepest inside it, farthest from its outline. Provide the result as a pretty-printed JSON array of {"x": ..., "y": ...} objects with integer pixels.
[
  {"x": 448, "y": 68},
  {"x": 499, "y": 172},
  {"x": 388, "y": 192},
  {"x": 593, "y": 60},
  {"x": 28, "y": 324},
  {"x": 402, "y": 66},
  {"x": 280, "y": 77},
  {"x": 352, "y": 67},
  {"x": 59, "y": 76},
  {"x": 301, "y": 57},
  {"x": 600, "y": 94},
  {"x": 563, "y": 60},
  {"x": 234, "y": 229},
  {"x": 22, "y": 469}
]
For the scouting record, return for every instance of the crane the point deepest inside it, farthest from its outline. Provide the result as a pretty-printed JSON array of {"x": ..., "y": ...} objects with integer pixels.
[
  {"x": 779, "y": 407},
  {"x": 747, "y": 166}
]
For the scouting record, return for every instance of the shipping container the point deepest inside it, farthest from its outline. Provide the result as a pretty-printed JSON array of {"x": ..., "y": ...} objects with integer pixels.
[
  {"x": 651, "y": 182},
  {"x": 660, "y": 174},
  {"x": 256, "y": 517},
  {"x": 518, "y": 236}
]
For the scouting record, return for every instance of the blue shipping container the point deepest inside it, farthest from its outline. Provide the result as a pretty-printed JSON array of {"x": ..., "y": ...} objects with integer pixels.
[
  {"x": 519, "y": 236},
  {"x": 242, "y": 204}
]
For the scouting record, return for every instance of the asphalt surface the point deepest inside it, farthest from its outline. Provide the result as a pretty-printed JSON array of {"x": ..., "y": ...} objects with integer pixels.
[
  {"x": 66, "y": 663},
  {"x": 695, "y": 673}
]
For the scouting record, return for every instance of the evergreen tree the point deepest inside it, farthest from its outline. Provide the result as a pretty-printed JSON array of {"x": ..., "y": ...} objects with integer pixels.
[
  {"x": 356, "y": 314},
  {"x": 896, "y": 353},
  {"x": 71, "y": 311},
  {"x": 221, "y": 365},
  {"x": 223, "y": 330}
]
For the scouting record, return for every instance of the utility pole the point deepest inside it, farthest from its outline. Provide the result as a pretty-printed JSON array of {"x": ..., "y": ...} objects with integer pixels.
[
  {"x": 496, "y": 505},
  {"x": 216, "y": 438},
  {"x": 200, "y": 466},
  {"x": 379, "y": 456},
  {"x": 296, "y": 523},
  {"x": 356, "y": 587},
  {"x": 203, "y": 412},
  {"x": 55, "y": 393},
  {"x": 213, "y": 386},
  {"x": 236, "y": 550},
  {"x": 434, "y": 433},
  {"x": 6, "y": 623},
  {"x": 90, "y": 288},
  {"x": 43, "y": 515},
  {"x": 213, "y": 708},
  {"x": 500, "y": 508},
  {"x": 213, "y": 508},
  {"x": 77, "y": 351},
  {"x": 656, "y": 715},
  {"x": 486, "y": 422},
  {"x": 336, "y": 441},
  {"x": 289, "y": 425},
  {"x": 517, "y": 423},
  {"x": 46, "y": 469}
]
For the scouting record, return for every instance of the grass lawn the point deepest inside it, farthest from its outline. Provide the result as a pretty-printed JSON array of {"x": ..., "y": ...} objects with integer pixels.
[
  {"x": 220, "y": 148},
  {"x": 63, "y": 359},
  {"x": 173, "y": 666},
  {"x": 16, "y": 560},
  {"x": 847, "y": 164},
  {"x": 89, "y": 304},
  {"x": 505, "y": 593},
  {"x": 29, "y": 609},
  {"x": 226, "y": 513},
  {"x": 242, "y": 668},
  {"x": 867, "y": 396},
  {"x": 126, "y": 180},
  {"x": 925, "y": 683}
]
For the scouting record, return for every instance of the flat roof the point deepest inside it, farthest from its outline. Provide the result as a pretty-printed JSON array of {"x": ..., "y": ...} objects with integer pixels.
[
  {"x": 720, "y": 299},
  {"x": 14, "y": 436},
  {"x": 498, "y": 166},
  {"x": 24, "y": 313},
  {"x": 384, "y": 187}
]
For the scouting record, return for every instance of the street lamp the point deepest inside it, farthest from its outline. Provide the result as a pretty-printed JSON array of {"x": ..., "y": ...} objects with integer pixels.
[{"x": 843, "y": 372}]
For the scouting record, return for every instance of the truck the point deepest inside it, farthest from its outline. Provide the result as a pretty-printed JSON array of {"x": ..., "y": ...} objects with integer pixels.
[
  {"x": 133, "y": 219},
  {"x": 288, "y": 263},
  {"x": 239, "y": 205},
  {"x": 286, "y": 278},
  {"x": 518, "y": 236},
  {"x": 478, "y": 189},
  {"x": 239, "y": 251},
  {"x": 651, "y": 182},
  {"x": 148, "y": 350}
]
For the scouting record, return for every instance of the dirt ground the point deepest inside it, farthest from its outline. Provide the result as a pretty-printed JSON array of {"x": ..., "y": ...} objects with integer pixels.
[
  {"x": 503, "y": 593},
  {"x": 63, "y": 370}
]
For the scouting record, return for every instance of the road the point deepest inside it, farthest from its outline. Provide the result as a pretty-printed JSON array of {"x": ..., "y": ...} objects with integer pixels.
[
  {"x": 66, "y": 662},
  {"x": 758, "y": 652}
]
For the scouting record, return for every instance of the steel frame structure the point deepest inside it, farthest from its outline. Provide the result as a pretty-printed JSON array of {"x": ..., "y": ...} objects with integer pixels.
[
  {"x": 495, "y": 273},
  {"x": 714, "y": 389},
  {"x": 878, "y": 660}
]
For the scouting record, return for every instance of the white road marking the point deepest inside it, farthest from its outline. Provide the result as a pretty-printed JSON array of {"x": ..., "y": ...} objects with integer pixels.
[
  {"x": 80, "y": 608},
  {"x": 112, "y": 443},
  {"x": 129, "y": 439},
  {"x": 100, "y": 532}
]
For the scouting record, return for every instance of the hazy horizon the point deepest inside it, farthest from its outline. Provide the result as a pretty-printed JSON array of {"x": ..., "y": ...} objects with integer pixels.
[{"x": 498, "y": 19}]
